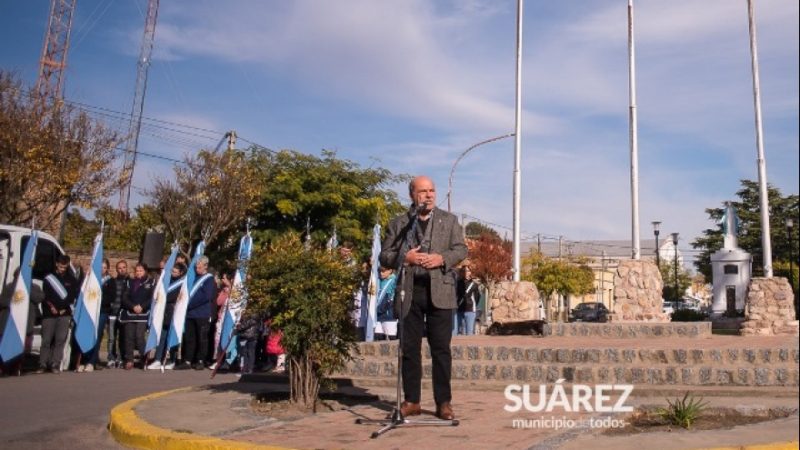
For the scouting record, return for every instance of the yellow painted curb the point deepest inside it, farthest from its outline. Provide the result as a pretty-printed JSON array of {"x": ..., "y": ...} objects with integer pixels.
[
  {"x": 129, "y": 429},
  {"x": 788, "y": 445}
]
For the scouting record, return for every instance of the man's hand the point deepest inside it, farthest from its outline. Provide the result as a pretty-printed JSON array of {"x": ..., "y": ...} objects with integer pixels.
[{"x": 427, "y": 260}]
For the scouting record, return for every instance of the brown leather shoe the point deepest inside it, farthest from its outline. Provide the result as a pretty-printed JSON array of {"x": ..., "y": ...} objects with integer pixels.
[
  {"x": 445, "y": 411},
  {"x": 410, "y": 409}
]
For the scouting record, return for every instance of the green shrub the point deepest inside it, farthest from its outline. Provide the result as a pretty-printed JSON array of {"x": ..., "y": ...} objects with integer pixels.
[
  {"x": 309, "y": 295},
  {"x": 688, "y": 315},
  {"x": 683, "y": 412}
]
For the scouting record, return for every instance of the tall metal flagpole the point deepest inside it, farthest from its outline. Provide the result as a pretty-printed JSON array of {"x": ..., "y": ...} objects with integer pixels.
[
  {"x": 634, "y": 143},
  {"x": 762, "y": 165},
  {"x": 517, "y": 145}
]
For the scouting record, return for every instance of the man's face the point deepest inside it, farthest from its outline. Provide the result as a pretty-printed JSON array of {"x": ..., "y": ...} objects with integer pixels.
[
  {"x": 424, "y": 192},
  {"x": 201, "y": 268},
  {"x": 176, "y": 272},
  {"x": 139, "y": 272},
  {"x": 122, "y": 269},
  {"x": 61, "y": 268}
]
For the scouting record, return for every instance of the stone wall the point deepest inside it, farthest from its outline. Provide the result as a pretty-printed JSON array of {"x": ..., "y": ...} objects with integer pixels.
[
  {"x": 769, "y": 309},
  {"x": 514, "y": 301},
  {"x": 637, "y": 293}
]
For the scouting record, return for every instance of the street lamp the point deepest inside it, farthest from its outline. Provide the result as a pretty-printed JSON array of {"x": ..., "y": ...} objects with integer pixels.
[
  {"x": 460, "y": 157},
  {"x": 656, "y": 226},
  {"x": 675, "y": 243}
]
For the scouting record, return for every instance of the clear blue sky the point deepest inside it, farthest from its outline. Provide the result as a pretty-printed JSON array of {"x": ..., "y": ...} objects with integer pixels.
[{"x": 409, "y": 85}]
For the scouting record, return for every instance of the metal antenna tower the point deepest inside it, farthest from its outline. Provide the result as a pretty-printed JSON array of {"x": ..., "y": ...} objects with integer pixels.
[
  {"x": 50, "y": 82},
  {"x": 138, "y": 105}
]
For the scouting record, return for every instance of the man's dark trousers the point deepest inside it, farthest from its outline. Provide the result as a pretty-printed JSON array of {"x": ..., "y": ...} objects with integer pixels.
[{"x": 438, "y": 328}]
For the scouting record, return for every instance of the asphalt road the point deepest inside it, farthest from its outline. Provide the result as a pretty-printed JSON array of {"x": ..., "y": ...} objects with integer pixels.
[{"x": 70, "y": 410}]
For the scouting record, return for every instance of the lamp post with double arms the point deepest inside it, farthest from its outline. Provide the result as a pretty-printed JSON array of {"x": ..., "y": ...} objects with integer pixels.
[
  {"x": 656, "y": 226},
  {"x": 675, "y": 243}
]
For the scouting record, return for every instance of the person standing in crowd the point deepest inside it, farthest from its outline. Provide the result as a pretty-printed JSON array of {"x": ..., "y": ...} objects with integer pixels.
[
  {"x": 134, "y": 314},
  {"x": 224, "y": 293},
  {"x": 387, "y": 324},
  {"x": 249, "y": 331},
  {"x": 435, "y": 247},
  {"x": 93, "y": 356},
  {"x": 173, "y": 291},
  {"x": 60, "y": 292},
  {"x": 276, "y": 355},
  {"x": 469, "y": 295},
  {"x": 115, "y": 291},
  {"x": 198, "y": 313}
]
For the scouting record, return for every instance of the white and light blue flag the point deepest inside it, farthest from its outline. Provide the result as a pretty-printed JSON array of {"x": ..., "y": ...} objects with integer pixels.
[
  {"x": 179, "y": 315},
  {"x": 237, "y": 300},
  {"x": 159, "y": 303},
  {"x": 374, "y": 280},
  {"x": 87, "y": 308},
  {"x": 12, "y": 343},
  {"x": 333, "y": 242}
]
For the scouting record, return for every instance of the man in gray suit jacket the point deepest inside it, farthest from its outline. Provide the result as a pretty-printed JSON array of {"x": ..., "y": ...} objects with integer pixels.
[{"x": 435, "y": 245}]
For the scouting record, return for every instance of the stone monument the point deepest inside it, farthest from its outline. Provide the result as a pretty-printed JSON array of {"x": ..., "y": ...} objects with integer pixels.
[
  {"x": 515, "y": 302},
  {"x": 770, "y": 308},
  {"x": 637, "y": 293},
  {"x": 730, "y": 268}
]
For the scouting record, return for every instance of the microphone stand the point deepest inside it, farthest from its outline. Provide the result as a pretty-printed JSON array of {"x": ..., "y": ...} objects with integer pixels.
[{"x": 396, "y": 419}]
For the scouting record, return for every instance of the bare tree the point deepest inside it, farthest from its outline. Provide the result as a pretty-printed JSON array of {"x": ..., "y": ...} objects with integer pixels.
[
  {"x": 50, "y": 158},
  {"x": 211, "y": 192}
]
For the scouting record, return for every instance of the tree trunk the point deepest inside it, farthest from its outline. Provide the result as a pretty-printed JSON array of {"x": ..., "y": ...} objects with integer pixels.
[{"x": 303, "y": 382}]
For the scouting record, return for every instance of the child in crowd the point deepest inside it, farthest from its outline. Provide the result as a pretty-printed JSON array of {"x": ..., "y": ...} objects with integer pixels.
[
  {"x": 248, "y": 330},
  {"x": 276, "y": 356}
]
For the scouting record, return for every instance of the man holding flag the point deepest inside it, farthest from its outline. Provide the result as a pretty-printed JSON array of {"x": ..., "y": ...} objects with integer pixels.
[
  {"x": 87, "y": 309},
  {"x": 12, "y": 340},
  {"x": 198, "y": 314},
  {"x": 60, "y": 290},
  {"x": 158, "y": 307},
  {"x": 236, "y": 302}
]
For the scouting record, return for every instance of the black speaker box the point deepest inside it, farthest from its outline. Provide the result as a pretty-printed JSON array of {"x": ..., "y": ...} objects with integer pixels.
[{"x": 152, "y": 249}]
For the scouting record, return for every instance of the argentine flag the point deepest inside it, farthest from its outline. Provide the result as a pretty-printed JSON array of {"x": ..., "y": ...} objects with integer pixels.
[
  {"x": 87, "y": 308},
  {"x": 237, "y": 299},
  {"x": 159, "y": 303},
  {"x": 374, "y": 280},
  {"x": 179, "y": 315},
  {"x": 12, "y": 343}
]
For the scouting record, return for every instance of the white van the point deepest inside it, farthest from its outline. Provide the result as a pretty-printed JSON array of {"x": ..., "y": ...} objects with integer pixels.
[{"x": 12, "y": 244}]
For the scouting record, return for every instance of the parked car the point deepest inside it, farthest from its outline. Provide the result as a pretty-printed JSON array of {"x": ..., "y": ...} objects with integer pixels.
[
  {"x": 668, "y": 308},
  {"x": 589, "y": 312}
]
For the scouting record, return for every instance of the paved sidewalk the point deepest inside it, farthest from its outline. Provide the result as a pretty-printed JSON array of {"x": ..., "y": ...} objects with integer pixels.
[{"x": 219, "y": 416}]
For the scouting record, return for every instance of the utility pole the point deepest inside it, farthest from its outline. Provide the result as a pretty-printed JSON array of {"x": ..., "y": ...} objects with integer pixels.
[
  {"x": 560, "y": 246},
  {"x": 518, "y": 146},
  {"x": 539, "y": 242}
]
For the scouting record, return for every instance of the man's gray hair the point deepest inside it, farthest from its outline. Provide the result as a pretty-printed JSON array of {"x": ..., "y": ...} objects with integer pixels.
[{"x": 203, "y": 260}]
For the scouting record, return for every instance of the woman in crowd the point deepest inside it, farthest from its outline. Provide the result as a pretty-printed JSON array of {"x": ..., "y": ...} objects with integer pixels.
[{"x": 135, "y": 312}]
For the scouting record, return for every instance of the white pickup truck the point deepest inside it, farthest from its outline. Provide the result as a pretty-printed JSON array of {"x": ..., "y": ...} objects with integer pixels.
[{"x": 12, "y": 244}]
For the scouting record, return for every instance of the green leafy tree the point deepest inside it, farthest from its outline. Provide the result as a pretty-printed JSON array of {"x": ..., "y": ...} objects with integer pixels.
[
  {"x": 327, "y": 191},
  {"x": 475, "y": 230},
  {"x": 748, "y": 209},
  {"x": 667, "y": 270},
  {"x": 120, "y": 233},
  {"x": 562, "y": 277},
  {"x": 309, "y": 295}
]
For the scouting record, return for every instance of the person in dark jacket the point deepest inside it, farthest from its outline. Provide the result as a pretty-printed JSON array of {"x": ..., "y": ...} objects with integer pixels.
[
  {"x": 198, "y": 316},
  {"x": 115, "y": 290},
  {"x": 249, "y": 331},
  {"x": 173, "y": 291},
  {"x": 60, "y": 292},
  {"x": 135, "y": 312},
  {"x": 469, "y": 295}
]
